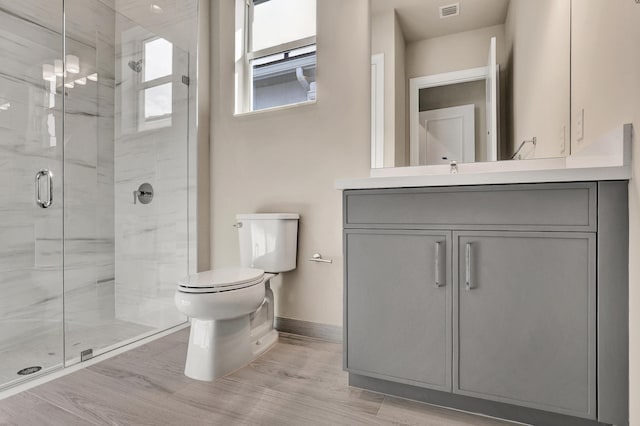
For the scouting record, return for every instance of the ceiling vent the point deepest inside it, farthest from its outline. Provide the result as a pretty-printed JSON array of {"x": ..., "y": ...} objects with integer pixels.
[{"x": 449, "y": 10}]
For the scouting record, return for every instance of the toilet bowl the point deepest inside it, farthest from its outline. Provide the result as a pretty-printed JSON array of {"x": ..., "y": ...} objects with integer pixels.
[
  {"x": 221, "y": 293},
  {"x": 231, "y": 309}
]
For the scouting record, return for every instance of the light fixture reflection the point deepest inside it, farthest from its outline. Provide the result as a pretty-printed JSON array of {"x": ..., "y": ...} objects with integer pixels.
[
  {"x": 81, "y": 81},
  {"x": 73, "y": 64},
  {"x": 48, "y": 72},
  {"x": 58, "y": 67},
  {"x": 69, "y": 85},
  {"x": 93, "y": 77}
]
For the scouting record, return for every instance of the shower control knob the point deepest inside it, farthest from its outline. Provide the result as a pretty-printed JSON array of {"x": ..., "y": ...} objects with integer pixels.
[{"x": 144, "y": 194}]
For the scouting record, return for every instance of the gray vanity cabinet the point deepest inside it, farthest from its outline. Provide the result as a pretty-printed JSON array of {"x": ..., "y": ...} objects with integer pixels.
[
  {"x": 399, "y": 318},
  {"x": 509, "y": 300},
  {"x": 525, "y": 317}
]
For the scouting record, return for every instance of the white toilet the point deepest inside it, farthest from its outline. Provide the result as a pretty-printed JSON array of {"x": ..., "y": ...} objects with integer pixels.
[{"x": 231, "y": 309}]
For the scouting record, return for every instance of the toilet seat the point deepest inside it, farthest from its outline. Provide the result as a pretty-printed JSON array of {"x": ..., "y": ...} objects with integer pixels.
[{"x": 221, "y": 280}]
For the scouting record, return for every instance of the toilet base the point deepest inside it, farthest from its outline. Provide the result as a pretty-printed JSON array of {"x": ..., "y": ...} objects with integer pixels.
[{"x": 217, "y": 348}]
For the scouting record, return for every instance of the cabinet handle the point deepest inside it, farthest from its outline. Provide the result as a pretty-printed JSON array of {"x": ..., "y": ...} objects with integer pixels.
[
  {"x": 439, "y": 282},
  {"x": 468, "y": 283}
]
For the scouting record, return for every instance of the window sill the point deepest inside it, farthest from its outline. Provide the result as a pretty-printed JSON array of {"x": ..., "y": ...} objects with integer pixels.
[{"x": 273, "y": 109}]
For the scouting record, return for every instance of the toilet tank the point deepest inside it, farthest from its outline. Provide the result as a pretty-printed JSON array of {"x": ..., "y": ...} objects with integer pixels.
[{"x": 268, "y": 241}]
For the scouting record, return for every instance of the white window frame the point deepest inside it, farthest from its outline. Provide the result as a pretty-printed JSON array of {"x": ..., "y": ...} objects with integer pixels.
[{"x": 244, "y": 70}]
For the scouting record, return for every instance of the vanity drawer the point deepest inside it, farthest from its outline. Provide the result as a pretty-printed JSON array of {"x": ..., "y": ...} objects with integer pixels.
[{"x": 553, "y": 206}]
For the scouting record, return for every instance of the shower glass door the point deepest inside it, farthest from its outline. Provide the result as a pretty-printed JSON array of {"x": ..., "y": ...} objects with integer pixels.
[
  {"x": 89, "y": 290},
  {"x": 95, "y": 101},
  {"x": 31, "y": 213},
  {"x": 126, "y": 130}
]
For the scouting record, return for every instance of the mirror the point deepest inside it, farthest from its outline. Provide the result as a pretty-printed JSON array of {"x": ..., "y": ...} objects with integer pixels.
[{"x": 469, "y": 80}]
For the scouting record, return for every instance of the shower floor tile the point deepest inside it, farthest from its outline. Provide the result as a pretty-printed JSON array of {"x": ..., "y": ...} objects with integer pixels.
[
  {"x": 45, "y": 349},
  {"x": 96, "y": 336}
]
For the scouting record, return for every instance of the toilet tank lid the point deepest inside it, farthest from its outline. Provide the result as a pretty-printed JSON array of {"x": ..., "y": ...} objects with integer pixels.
[{"x": 267, "y": 216}]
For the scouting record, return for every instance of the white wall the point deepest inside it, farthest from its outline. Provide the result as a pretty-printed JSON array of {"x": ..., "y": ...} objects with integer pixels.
[
  {"x": 287, "y": 160},
  {"x": 537, "y": 39},
  {"x": 606, "y": 83},
  {"x": 203, "y": 221},
  {"x": 401, "y": 86},
  {"x": 387, "y": 39},
  {"x": 469, "y": 49}
]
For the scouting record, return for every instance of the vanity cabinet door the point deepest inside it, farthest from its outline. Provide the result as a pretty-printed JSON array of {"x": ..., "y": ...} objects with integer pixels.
[
  {"x": 525, "y": 319},
  {"x": 398, "y": 306}
]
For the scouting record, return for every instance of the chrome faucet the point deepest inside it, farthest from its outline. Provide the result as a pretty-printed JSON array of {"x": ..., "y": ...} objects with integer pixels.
[{"x": 453, "y": 167}]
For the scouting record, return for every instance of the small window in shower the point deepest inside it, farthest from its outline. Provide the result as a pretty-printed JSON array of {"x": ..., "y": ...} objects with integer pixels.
[
  {"x": 158, "y": 59},
  {"x": 157, "y": 102},
  {"x": 156, "y": 88}
]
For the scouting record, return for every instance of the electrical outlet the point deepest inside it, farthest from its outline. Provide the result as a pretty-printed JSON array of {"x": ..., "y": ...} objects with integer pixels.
[
  {"x": 563, "y": 139},
  {"x": 580, "y": 125}
]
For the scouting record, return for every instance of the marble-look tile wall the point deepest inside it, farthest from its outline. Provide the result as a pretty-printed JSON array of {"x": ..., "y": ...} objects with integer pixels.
[
  {"x": 152, "y": 239},
  {"x": 30, "y": 140},
  {"x": 31, "y": 246},
  {"x": 89, "y": 170},
  {"x": 121, "y": 261}
]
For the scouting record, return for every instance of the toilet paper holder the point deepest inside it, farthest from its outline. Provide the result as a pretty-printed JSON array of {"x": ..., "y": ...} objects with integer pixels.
[{"x": 317, "y": 257}]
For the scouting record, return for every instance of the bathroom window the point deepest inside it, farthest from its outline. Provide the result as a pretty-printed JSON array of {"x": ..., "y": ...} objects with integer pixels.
[
  {"x": 155, "y": 93},
  {"x": 275, "y": 54}
]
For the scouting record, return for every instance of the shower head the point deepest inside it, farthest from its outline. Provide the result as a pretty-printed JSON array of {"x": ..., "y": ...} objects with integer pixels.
[{"x": 136, "y": 65}]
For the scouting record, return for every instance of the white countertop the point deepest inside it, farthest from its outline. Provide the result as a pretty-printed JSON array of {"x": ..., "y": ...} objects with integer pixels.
[
  {"x": 606, "y": 159},
  {"x": 487, "y": 178}
]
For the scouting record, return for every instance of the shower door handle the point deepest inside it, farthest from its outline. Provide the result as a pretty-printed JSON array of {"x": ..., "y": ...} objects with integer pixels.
[{"x": 44, "y": 203}]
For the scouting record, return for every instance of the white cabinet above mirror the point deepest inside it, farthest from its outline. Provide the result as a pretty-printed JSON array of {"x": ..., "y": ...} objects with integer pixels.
[{"x": 508, "y": 59}]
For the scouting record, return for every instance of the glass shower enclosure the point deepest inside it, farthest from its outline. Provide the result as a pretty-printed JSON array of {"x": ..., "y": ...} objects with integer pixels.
[{"x": 96, "y": 176}]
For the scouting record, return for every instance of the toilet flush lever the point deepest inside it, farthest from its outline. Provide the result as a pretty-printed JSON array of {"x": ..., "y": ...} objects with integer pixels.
[{"x": 317, "y": 257}]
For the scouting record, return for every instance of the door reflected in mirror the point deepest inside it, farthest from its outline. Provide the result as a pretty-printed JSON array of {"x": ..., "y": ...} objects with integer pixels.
[{"x": 469, "y": 80}]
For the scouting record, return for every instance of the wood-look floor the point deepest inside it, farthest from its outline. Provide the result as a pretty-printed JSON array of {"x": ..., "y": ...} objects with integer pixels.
[{"x": 298, "y": 382}]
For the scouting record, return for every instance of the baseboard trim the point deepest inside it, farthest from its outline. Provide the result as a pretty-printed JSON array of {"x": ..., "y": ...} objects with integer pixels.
[
  {"x": 523, "y": 415},
  {"x": 331, "y": 333}
]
